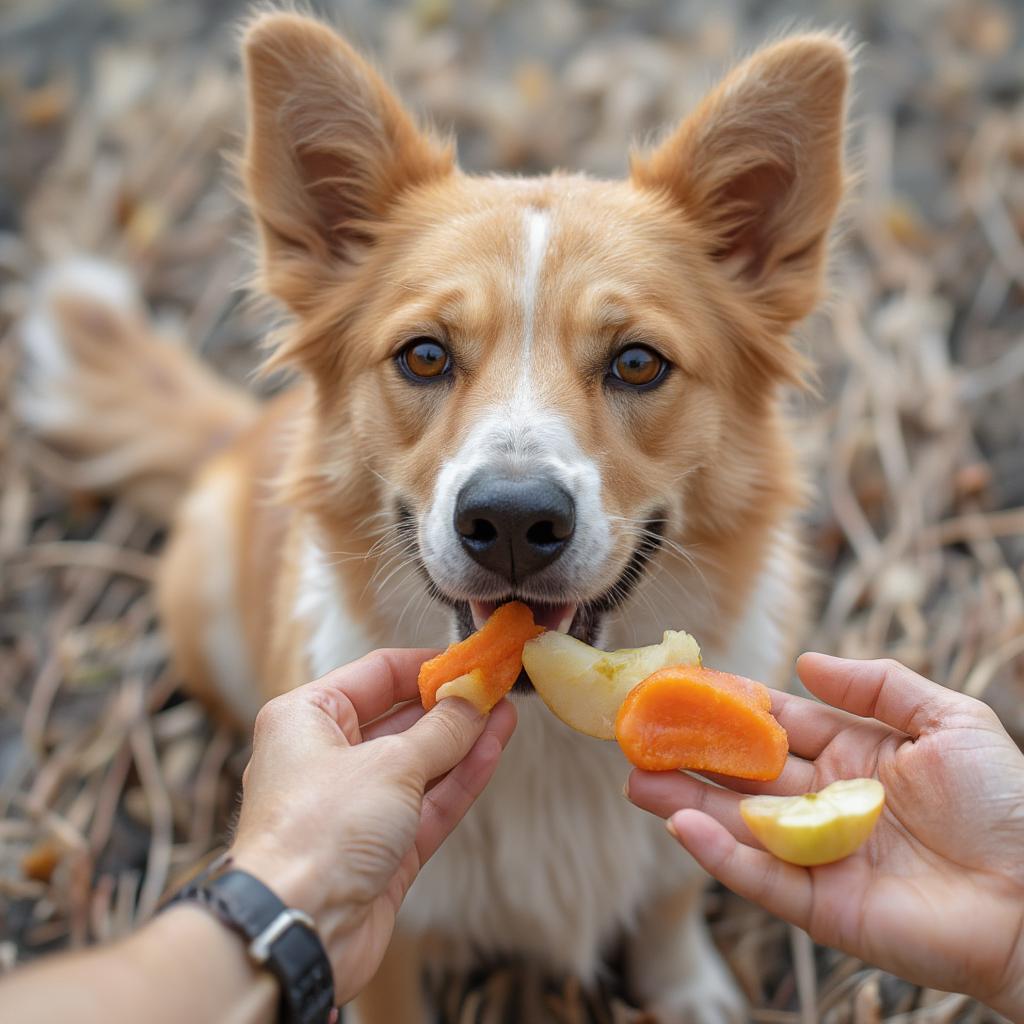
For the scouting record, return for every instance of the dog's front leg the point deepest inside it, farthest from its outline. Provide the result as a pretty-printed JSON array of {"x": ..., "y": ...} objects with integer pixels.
[
  {"x": 674, "y": 967},
  {"x": 395, "y": 995}
]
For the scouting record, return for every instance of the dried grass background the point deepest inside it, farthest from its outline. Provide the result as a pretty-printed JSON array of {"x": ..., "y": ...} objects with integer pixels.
[{"x": 115, "y": 118}]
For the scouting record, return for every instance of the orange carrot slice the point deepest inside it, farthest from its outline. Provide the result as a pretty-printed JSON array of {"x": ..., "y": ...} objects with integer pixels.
[
  {"x": 696, "y": 719},
  {"x": 491, "y": 658}
]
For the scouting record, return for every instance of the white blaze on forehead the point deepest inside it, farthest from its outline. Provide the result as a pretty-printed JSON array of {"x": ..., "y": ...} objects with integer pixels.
[{"x": 537, "y": 228}]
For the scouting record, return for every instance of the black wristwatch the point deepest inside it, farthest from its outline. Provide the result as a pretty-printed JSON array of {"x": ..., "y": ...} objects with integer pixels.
[{"x": 278, "y": 938}]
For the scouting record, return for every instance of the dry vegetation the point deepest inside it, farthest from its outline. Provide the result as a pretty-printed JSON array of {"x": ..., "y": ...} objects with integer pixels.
[{"x": 116, "y": 117}]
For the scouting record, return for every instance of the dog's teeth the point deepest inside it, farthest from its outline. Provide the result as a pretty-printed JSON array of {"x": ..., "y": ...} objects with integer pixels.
[
  {"x": 566, "y": 620},
  {"x": 481, "y": 612}
]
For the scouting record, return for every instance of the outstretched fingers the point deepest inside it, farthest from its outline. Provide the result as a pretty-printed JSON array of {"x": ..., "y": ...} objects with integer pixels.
[
  {"x": 811, "y": 725},
  {"x": 798, "y": 776},
  {"x": 665, "y": 793},
  {"x": 884, "y": 690},
  {"x": 782, "y": 889}
]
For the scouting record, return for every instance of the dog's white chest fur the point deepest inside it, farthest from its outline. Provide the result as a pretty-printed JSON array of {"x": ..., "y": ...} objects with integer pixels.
[{"x": 553, "y": 860}]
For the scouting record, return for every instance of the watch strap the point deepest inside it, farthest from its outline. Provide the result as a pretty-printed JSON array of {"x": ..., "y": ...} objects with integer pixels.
[{"x": 279, "y": 938}]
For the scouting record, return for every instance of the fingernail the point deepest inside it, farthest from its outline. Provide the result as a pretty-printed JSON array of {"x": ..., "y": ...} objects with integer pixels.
[
  {"x": 491, "y": 743},
  {"x": 464, "y": 707},
  {"x": 671, "y": 826},
  {"x": 821, "y": 654},
  {"x": 625, "y": 789}
]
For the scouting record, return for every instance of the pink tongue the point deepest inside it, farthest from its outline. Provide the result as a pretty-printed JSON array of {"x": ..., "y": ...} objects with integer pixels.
[{"x": 550, "y": 616}]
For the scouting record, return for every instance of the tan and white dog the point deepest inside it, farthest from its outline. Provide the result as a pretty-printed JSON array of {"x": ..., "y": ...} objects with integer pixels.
[{"x": 559, "y": 389}]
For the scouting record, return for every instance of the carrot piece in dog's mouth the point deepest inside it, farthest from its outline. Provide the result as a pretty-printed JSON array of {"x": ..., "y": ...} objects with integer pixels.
[
  {"x": 696, "y": 719},
  {"x": 483, "y": 667},
  {"x": 557, "y": 617}
]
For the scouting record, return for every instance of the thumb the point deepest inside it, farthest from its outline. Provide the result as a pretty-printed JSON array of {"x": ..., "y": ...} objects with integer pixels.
[{"x": 444, "y": 736}]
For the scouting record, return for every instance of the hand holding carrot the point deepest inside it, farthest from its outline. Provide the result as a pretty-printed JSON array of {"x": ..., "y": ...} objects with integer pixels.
[{"x": 347, "y": 796}]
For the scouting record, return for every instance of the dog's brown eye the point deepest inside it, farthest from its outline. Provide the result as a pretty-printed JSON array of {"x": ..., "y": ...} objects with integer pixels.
[
  {"x": 424, "y": 359},
  {"x": 637, "y": 366}
]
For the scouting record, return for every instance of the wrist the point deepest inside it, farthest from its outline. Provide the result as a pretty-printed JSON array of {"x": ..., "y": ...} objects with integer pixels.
[
  {"x": 1010, "y": 1003},
  {"x": 1008, "y": 999},
  {"x": 302, "y": 884},
  {"x": 276, "y": 938},
  {"x": 295, "y": 881}
]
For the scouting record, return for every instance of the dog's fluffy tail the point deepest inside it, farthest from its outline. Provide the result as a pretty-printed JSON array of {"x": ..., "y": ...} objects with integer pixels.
[{"x": 127, "y": 412}]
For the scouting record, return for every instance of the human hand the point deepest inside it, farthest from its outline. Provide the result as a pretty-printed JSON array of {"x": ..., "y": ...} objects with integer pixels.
[
  {"x": 338, "y": 813},
  {"x": 936, "y": 895}
]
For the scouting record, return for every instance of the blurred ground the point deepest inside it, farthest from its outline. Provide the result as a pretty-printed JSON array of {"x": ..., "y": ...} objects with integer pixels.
[{"x": 115, "y": 118}]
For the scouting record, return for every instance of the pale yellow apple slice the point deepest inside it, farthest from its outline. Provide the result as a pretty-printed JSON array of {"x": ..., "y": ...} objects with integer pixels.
[
  {"x": 469, "y": 687},
  {"x": 585, "y": 687},
  {"x": 816, "y": 828}
]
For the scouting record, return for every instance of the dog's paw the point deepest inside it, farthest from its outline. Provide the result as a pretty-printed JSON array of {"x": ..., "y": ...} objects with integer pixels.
[
  {"x": 703, "y": 1001},
  {"x": 712, "y": 997}
]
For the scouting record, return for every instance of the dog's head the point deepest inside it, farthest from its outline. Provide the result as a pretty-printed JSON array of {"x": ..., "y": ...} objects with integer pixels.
[{"x": 544, "y": 380}]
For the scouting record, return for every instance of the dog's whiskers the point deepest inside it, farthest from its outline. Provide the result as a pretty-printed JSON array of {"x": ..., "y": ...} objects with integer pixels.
[
  {"x": 637, "y": 529},
  {"x": 423, "y": 611},
  {"x": 409, "y": 560},
  {"x": 418, "y": 595},
  {"x": 370, "y": 553}
]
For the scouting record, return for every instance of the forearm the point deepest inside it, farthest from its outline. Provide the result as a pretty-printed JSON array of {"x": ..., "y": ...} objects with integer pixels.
[{"x": 184, "y": 965}]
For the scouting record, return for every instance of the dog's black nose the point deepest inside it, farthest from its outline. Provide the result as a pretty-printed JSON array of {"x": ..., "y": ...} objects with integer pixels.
[{"x": 514, "y": 527}]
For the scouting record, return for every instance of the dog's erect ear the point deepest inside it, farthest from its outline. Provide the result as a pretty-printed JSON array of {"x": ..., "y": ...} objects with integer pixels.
[
  {"x": 329, "y": 149},
  {"x": 759, "y": 167}
]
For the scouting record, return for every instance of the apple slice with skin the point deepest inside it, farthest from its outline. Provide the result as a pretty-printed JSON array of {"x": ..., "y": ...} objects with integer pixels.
[
  {"x": 471, "y": 687},
  {"x": 816, "y": 828},
  {"x": 585, "y": 687}
]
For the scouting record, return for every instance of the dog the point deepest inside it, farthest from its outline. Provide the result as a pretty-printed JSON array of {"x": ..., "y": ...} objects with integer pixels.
[{"x": 557, "y": 389}]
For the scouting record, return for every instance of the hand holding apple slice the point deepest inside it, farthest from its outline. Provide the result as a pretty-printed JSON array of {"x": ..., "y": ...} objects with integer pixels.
[
  {"x": 585, "y": 687},
  {"x": 816, "y": 828}
]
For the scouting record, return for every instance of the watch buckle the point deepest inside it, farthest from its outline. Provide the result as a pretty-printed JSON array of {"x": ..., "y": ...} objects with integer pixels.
[{"x": 259, "y": 948}]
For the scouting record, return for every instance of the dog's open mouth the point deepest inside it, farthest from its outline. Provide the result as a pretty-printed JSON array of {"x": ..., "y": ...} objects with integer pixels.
[
  {"x": 581, "y": 619},
  {"x": 550, "y": 616}
]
